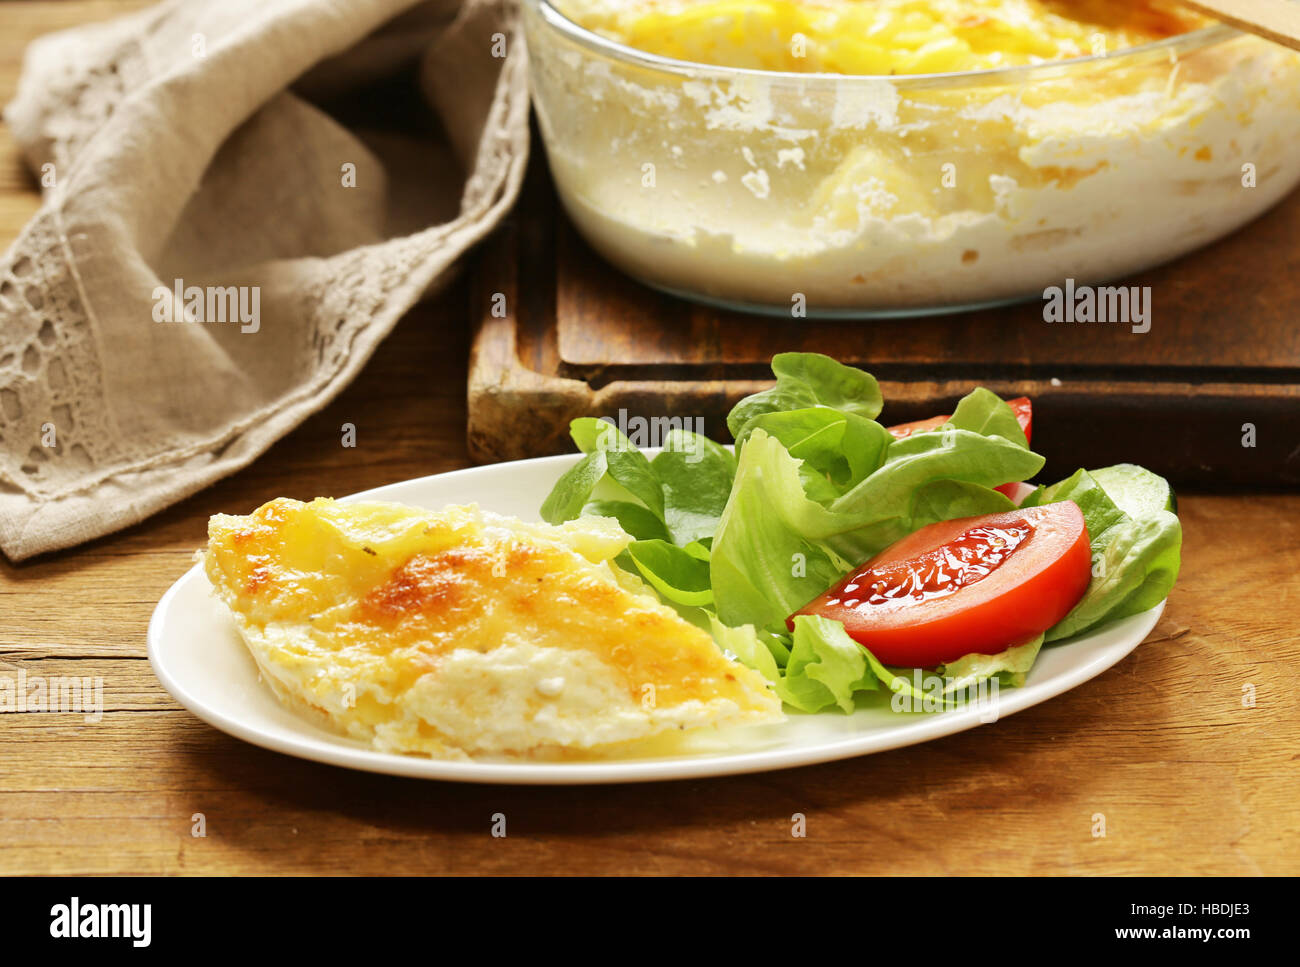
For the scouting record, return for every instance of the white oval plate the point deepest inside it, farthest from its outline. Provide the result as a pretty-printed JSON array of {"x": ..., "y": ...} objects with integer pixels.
[{"x": 200, "y": 659}]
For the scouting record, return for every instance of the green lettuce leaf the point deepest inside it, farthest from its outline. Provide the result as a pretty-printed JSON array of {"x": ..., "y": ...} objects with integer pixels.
[
  {"x": 679, "y": 574},
  {"x": 768, "y": 560},
  {"x": 573, "y": 490},
  {"x": 1134, "y": 561},
  {"x": 626, "y": 465},
  {"x": 806, "y": 380},
  {"x": 1100, "y": 513},
  {"x": 878, "y": 511},
  {"x": 635, "y": 519},
  {"x": 983, "y": 411},
  {"x": 826, "y": 667},
  {"x": 745, "y": 644},
  {"x": 678, "y": 497},
  {"x": 610, "y": 460},
  {"x": 838, "y": 449},
  {"x": 696, "y": 476},
  {"x": 1135, "y": 571},
  {"x": 1010, "y": 666},
  {"x": 941, "y": 500}
]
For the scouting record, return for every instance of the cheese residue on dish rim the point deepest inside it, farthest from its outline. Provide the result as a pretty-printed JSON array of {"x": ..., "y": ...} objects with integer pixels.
[
  {"x": 961, "y": 190},
  {"x": 463, "y": 634}
]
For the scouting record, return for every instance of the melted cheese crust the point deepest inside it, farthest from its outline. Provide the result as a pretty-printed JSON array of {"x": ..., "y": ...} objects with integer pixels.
[
  {"x": 879, "y": 36},
  {"x": 465, "y": 633}
]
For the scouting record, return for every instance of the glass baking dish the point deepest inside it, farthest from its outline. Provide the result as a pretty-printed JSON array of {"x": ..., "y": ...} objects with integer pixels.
[{"x": 845, "y": 195}]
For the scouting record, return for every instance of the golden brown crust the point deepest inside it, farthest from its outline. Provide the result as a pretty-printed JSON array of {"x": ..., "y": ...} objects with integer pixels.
[{"x": 382, "y": 595}]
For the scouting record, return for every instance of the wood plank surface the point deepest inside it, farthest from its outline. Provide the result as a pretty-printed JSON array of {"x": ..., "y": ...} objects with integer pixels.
[{"x": 1188, "y": 778}]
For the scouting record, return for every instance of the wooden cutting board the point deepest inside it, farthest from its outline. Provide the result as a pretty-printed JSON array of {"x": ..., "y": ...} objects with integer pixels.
[{"x": 560, "y": 334}]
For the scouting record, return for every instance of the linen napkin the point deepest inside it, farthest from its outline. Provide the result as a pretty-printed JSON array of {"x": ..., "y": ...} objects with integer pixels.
[{"x": 241, "y": 199}]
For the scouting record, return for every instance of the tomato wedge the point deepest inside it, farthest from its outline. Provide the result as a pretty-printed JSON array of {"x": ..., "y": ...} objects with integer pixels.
[
  {"x": 1016, "y": 492},
  {"x": 977, "y": 584},
  {"x": 1021, "y": 406}
]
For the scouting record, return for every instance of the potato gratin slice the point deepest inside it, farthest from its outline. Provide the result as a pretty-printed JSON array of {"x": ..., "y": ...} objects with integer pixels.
[{"x": 463, "y": 633}]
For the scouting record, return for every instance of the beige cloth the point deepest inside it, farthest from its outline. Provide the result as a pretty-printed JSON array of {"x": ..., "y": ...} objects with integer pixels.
[{"x": 209, "y": 141}]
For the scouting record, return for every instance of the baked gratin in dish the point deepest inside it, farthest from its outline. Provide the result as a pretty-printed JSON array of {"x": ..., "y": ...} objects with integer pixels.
[{"x": 892, "y": 157}]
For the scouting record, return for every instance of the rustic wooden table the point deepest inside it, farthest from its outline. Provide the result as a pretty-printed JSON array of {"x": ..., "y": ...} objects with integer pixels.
[{"x": 1189, "y": 777}]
